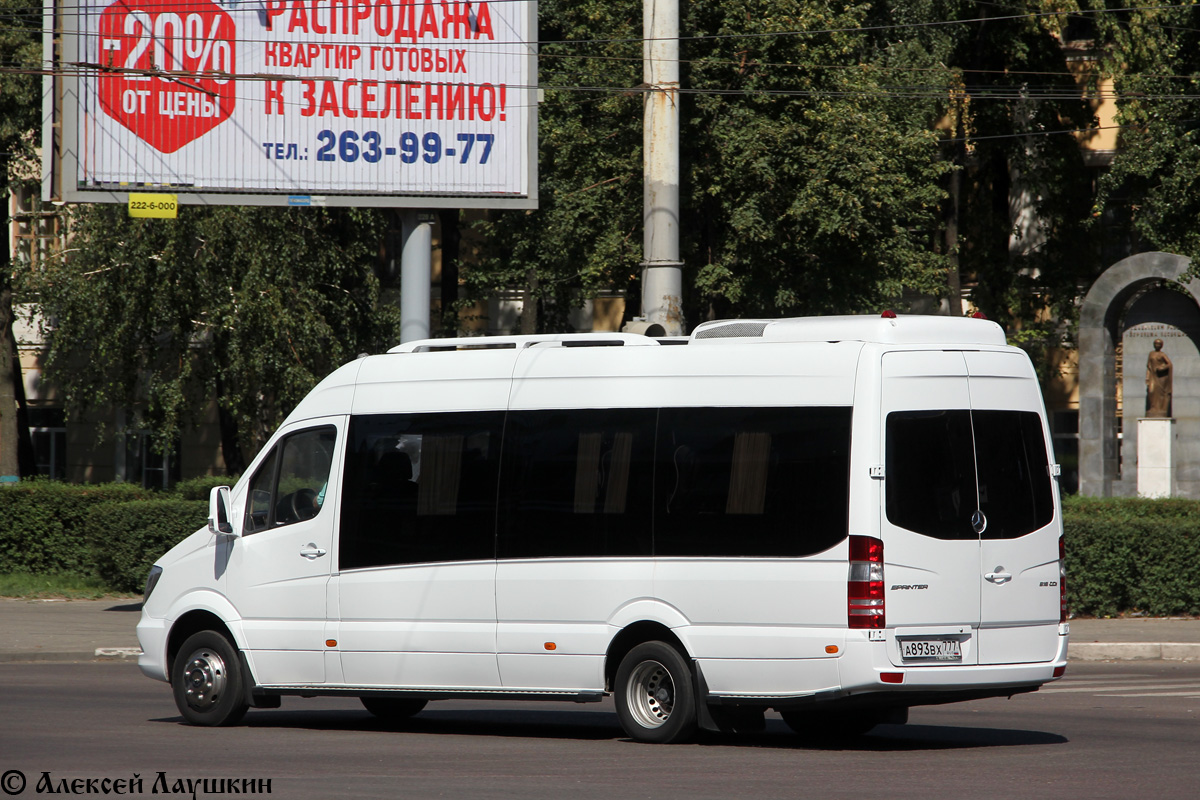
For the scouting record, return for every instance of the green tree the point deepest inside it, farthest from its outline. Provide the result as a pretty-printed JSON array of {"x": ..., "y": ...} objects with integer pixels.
[
  {"x": 808, "y": 187},
  {"x": 1149, "y": 194},
  {"x": 587, "y": 233},
  {"x": 813, "y": 186},
  {"x": 20, "y": 117},
  {"x": 836, "y": 158},
  {"x": 248, "y": 306},
  {"x": 1023, "y": 245}
]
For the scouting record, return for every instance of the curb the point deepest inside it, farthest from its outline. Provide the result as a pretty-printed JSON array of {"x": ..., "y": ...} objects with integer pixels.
[
  {"x": 1132, "y": 651},
  {"x": 48, "y": 656}
]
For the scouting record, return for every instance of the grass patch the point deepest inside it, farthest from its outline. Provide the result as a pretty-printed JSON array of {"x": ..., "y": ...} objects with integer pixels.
[{"x": 59, "y": 584}]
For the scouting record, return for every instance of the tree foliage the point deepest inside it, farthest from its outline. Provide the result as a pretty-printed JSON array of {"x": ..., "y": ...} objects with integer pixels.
[
  {"x": 810, "y": 187},
  {"x": 586, "y": 234},
  {"x": 20, "y": 78},
  {"x": 250, "y": 306},
  {"x": 836, "y": 158},
  {"x": 20, "y": 113},
  {"x": 1153, "y": 51},
  {"x": 816, "y": 157},
  {"x": 1024, "y": 246},
  {"x": 806, "y": 189}
]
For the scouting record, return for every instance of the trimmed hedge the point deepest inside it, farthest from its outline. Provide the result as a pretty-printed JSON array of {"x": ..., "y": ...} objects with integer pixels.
[
  {"x": 1131, "y": 554},
  {"x": 114, "y": 531},
  {"x": 43, "y": 524},
  {"x": 131, "y": 536},
  {"x": 199, "y": 488}
]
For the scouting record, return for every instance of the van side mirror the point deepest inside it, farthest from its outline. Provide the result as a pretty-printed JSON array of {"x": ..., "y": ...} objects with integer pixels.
[{"x": 219, "y": 520}]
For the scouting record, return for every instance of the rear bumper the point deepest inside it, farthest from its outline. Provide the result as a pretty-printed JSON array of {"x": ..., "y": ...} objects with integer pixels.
[{"x": 864, "y": 665}]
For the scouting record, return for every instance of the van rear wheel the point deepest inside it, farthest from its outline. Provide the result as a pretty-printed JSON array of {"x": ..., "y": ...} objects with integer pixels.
[
  {"x": 655, "y": 694},
  {"x": 393, "y": 708},
  {"x": 207, "y": 681}
]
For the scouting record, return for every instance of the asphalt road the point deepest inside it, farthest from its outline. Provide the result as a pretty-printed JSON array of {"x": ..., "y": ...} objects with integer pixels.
[{"x": 1116, "y": 730}]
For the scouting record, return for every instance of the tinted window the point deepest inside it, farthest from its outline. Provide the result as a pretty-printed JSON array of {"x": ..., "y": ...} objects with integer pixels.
[
  {"x": 943, "y": 465},
  {"x": 751, "y": 481},
  {"x": 290, "y": 485},
  {"x": 258, "y": 503},
  {"x": 1014, "y": 476},
  {"x": 930, "y": 469},
  {"x": 577, "y": 483},
  {"x": 420, "y": 488}
]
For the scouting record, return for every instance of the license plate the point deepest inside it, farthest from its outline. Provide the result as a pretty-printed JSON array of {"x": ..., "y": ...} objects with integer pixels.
[{"x": 931, "y": 649}]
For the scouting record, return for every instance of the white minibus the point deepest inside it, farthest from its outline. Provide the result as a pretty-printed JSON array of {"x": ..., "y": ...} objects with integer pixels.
[{"x": 836, "y": 518}]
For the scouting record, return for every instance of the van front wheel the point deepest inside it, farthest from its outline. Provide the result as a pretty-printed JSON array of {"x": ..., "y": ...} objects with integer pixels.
[
  {"x": 655, "y": 695},
  {"x": 207, "y": 681}
]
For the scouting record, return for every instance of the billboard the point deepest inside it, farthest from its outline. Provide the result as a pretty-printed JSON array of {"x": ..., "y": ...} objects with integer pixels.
[{"x": 419, "y": 103}]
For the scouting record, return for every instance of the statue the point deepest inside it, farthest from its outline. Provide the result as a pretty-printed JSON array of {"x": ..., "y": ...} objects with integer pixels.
[{"x": 1158, "y": 382}]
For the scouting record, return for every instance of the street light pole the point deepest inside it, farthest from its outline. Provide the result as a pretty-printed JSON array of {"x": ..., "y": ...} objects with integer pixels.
[{"x": 662, "y": 277}]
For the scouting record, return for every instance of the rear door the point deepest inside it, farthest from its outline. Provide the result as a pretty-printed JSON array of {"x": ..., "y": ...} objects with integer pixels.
[
  {"x": 931, "y": 549},
  {"x": 1019, "y": 600}
]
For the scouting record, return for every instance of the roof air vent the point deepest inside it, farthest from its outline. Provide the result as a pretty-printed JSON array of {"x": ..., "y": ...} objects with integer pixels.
[{"x": 733, "y": 330}]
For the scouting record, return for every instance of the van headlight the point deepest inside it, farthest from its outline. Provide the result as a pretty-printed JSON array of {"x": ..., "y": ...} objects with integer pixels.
[{"x": 152, "y": 581}]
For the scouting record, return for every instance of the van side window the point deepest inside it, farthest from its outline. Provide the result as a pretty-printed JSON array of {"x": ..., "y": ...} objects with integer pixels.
[
  {"x": 420, "y": 488},
  {"x": 751, "y": 481},
  {"x": 290, "y": 485},
  {"x": 258, "y": 504},
  {"x": 930, "y": 468},
  {"x": 577, "y": 483},
  {"x": 1014, "y": 477}
]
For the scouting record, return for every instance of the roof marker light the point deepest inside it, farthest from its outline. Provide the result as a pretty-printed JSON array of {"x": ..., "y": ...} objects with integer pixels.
[
  {"x": 888, "y": 314},
  {"x": 979, "y": 315}
]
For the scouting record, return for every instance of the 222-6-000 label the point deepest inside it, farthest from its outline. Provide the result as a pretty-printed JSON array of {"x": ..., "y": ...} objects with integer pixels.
[{"x": 162, "y": 206}]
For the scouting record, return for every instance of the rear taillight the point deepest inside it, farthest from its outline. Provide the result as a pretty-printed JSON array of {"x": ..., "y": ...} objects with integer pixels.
[
  {"x": 1062, "y": 580},
  {"x": 864, "y": 608}
]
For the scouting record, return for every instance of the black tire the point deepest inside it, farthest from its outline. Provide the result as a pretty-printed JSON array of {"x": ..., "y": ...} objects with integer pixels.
[
  {"x": 207, "y": 681},
  {"x": 393, "y": 708},
  {"x": 655, "y": 695},
  {"x": 828, "y": 727}
]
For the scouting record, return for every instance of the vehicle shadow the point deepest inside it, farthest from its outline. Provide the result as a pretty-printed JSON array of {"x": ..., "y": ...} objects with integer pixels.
[
  {"x": 902, "y": 738},
  {"x": 603, "y": 725}
]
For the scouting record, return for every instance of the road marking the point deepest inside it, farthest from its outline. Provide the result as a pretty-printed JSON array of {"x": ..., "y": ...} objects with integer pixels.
[
  {"x": 1193, "y": 693},
  {"x": 1109, "y": 686}
]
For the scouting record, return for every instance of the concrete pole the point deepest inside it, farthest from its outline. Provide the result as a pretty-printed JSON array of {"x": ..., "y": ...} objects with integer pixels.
[
  {"x": 416, "y": 274},
  {"x": 662, "y": 276}
]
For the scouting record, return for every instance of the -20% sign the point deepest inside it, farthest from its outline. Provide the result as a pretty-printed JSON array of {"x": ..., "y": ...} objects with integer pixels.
[{"x": 167, "y": 68}]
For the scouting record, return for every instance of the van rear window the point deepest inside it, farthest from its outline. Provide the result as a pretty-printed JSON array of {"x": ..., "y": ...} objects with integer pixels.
[
  {"x": 943, "y": 465},
  {"x": 1014, "y": 476},
  {"x": 930, "y": 472}
]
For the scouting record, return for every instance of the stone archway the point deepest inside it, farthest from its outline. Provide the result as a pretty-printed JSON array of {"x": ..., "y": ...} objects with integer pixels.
[{"x": 1099, "y": 322}]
